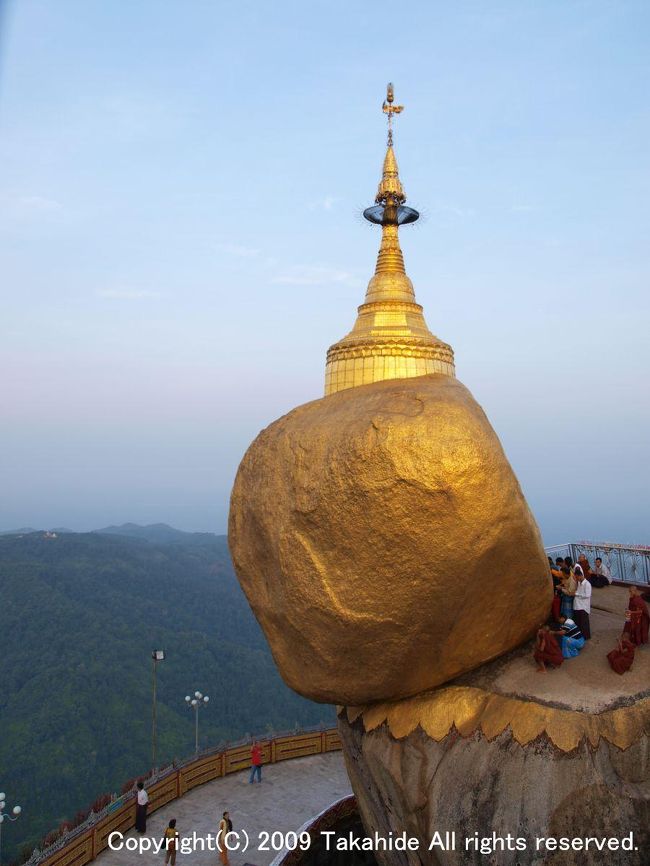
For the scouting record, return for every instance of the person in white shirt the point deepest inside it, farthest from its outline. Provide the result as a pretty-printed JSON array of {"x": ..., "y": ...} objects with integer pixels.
[
  {"x": 142, "y": 800},
  {"x": 602, "y": 571},
  {"x": 582, "y": 603}
]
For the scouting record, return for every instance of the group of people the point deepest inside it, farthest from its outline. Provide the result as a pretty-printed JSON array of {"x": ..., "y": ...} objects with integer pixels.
[
  {"x": 171, "y": 839},
  {"x": 572, "y": 590},
  {"x": 171, "y": 836},
  {"x": 569, "y": 627}
]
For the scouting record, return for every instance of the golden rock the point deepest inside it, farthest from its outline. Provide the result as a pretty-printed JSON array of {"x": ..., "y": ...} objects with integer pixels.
[{"x": 384, "y": 543}]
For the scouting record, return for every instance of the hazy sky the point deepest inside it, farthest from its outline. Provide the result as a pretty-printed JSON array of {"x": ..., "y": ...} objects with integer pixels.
[{"x": 180, "y": 239}]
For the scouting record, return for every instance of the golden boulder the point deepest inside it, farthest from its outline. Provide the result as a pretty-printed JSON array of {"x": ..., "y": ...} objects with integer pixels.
[{"x": 384, "y": 543}]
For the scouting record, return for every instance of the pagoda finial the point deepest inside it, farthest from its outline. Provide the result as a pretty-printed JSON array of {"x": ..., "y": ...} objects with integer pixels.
[
  {"x": 390, "y": 110},
  {"x": 389, "y": 202}
]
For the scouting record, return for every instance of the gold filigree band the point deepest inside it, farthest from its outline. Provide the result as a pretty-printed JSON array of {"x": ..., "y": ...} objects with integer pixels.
[{"x": 468, "y": 710}]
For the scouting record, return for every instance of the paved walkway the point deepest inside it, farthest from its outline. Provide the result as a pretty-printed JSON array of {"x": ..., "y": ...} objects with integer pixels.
[{"x": 291, "y": 792}]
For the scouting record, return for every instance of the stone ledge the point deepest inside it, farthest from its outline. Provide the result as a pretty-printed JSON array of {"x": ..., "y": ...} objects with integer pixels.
[{"x": 583, "y": 699}]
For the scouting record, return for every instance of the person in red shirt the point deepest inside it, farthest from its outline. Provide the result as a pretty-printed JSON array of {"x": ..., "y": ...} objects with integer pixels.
[{"x": 256, "y": 762}]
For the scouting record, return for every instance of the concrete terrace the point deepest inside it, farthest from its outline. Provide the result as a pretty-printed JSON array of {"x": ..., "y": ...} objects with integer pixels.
[
  {"x": 586, "y": 683},
  {"x": 291, "y": 792}
]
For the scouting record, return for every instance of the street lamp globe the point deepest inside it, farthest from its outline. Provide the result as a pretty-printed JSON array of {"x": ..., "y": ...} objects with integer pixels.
[
  {"x": 206, "y": 699},
  {"x": 198, "y": 695},
  {"x": 188, "y": 698},
  {"x": 17, "y": 810}
]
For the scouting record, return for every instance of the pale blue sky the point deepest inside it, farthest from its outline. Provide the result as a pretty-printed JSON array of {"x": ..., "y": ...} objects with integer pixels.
[{"x": 180, "y": 239}]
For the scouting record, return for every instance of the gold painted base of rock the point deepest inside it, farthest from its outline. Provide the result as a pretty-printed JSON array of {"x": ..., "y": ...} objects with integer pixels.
[
  {"x": 384, "y": 543},
  {"x": 468, "y": 710},
  {"x": 472, "y": 761}
]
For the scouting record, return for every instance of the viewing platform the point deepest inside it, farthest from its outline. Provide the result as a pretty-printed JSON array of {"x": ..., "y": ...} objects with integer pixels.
[
  {"x": 303, "y": 775},
  {"x": 290, "y": 794}
]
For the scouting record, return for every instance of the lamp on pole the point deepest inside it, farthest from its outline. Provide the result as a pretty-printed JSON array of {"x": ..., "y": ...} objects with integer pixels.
[
  {"x": 156, "y": 656},
  {"x": 199, "y": 700},
  {"x": 14, "y": 815}
]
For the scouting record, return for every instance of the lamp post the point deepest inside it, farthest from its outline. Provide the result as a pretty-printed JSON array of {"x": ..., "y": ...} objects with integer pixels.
[
  {"x": 14, "y": 815},
  {"x": 199, "y": 700},
  {"x": 156, "y": 656}
]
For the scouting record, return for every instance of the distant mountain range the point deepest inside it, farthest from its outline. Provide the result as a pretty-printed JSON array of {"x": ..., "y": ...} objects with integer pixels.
[
  {"x": 160, "y": 533},
  {"x": 80, "y": 614}
]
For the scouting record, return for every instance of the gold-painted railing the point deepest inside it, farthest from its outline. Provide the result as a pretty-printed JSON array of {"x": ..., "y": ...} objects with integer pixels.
[{"x": 86, "y": 843}]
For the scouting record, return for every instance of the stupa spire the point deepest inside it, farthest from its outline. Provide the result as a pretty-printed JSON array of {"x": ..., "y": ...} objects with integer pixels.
[
  {"x": 390, "y": 339},
  {"x": 390, "y": 186}
]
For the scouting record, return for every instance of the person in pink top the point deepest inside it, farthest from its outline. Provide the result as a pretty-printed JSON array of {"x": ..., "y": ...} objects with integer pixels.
[{"x": 256, "y": 763}]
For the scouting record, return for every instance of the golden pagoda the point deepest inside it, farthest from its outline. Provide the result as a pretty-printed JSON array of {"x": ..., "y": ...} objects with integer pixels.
[
  {"x": 352, "y": 516},
  {"x": 390, "y": 338}
]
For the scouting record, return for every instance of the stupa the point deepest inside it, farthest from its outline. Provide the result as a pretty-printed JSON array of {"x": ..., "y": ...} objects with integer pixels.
[
  {"x": 390, "y": 338},
  {"x": 388, "y": 552}
]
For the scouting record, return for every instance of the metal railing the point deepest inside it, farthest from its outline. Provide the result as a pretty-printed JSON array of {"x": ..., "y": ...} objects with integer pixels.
[{"x": 627, "y": 563}]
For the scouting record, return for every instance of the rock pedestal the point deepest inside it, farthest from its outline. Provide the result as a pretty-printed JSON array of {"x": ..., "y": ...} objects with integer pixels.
[{"x": 508, "y": 751}]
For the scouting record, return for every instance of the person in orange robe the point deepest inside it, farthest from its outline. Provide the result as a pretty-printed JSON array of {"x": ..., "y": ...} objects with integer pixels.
[
  {"x": 622, "y": 657},
  {"x": 637, "y": 626},
  {"x": 583, "y": 562},
  {"x": 547, "y": 650}
]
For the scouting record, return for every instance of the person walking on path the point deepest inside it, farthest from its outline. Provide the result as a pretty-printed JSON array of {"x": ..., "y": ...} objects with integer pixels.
[
  {"x": 142, "y": 801},
  {"x": 256, "y": 762},
  {"x": 171, "y": 843},
  {"x": 225, "y": 827},
  {"x": 582, "y": 603}
]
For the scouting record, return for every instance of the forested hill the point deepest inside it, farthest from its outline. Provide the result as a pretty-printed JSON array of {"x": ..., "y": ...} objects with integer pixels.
[{"x": 79, "y": 616}]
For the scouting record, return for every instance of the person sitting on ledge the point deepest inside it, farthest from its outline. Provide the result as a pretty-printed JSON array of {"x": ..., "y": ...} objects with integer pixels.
[
  {"x": 622, "y": 657},
  {"x": 572, "y": 639},
  {"x": 582, "y": 603},
  {"x": 567, "y": 591},
  {"x": 638, "y": 622},
  {"x": 547, "y": 650},
  {"x": 601, "y": 575}
]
